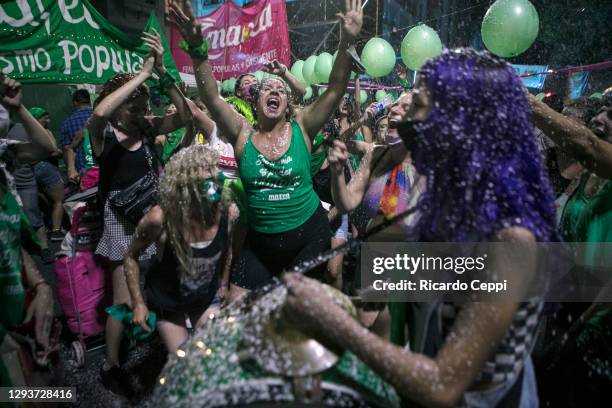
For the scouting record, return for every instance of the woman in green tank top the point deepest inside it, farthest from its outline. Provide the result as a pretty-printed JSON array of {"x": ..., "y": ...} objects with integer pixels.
[{"x": 286, "y": 223}]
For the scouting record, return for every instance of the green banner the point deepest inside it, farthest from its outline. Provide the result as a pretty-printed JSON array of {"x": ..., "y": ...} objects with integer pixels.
[{"x": 68, "y": 41}]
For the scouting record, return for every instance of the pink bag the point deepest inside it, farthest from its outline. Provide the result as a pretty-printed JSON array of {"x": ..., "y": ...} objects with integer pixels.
[
  {"x": 81, "y": 292},
  {"x": 90, "y": 178}
]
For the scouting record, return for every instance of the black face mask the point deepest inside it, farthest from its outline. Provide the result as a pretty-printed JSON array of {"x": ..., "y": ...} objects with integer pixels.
[{"x": 408, "y": 133}]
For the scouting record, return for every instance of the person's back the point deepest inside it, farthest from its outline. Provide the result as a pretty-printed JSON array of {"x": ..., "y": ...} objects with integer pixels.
[{"x": 73, "y": 124}]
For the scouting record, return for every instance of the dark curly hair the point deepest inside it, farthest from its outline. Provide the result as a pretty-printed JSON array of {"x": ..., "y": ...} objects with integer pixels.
[
  {"x": 479, "y": 153},
  {"x": 117, "y": 82}
]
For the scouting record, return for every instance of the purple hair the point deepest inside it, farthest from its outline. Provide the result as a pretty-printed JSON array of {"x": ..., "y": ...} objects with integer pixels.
[{"x": 478, "y": 151}]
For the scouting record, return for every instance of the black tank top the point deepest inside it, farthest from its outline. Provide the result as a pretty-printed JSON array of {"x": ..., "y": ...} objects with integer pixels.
[
  {"x": 119, "y": 167},
  {"x": 170, "y": 290}
]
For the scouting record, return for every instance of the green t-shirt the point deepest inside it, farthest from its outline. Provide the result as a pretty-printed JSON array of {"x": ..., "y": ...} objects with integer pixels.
[
  {"x": 89, "y": 158},
  {"x": 279, "y": 192},
  {"x": 172, "y": 141},
  {"x": 15, "y": 233}
]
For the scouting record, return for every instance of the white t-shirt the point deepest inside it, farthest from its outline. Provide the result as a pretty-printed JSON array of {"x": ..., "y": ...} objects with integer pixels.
[{"x": 227, "y": 162}]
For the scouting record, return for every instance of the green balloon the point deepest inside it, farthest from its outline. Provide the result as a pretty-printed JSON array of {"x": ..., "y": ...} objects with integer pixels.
[
  {"x": 296, "y": 70},
  {"x": 510, "y": 27},
  {"x": 596, "y": 95},
  {"x": 308, "y": 93},
  {"x": 540, "y": 96},
  {"x": 323, "y": 67},
  {"x": 363, "y": 95},
  {"x": 378, "y": 57},
  {"x": 308, "y": 70},
  {"x": 380, "y": 95},
  {"x": 420, "y": 44},
  {"x": 322, "y": 90},
  {"x": 259, "y": 75}
]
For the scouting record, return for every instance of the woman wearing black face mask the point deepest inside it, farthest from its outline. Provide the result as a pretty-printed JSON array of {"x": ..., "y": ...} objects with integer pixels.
[{"x": 386, "y": 181}]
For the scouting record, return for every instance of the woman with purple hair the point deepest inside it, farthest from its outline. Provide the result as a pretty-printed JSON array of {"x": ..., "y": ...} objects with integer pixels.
[{"x": 476, "y": 146}]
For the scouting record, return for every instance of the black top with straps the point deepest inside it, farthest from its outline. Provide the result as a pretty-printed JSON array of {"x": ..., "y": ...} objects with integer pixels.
[
  {"x": 120, "y": 167},
  {"x": 170, "y": 290}
]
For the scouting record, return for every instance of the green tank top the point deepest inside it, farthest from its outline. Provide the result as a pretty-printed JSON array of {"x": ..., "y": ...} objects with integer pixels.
[
  {"x": 589, "y": 220},
  {"x": 355, "y": 159},
  {"x": 317, "y": 158},
  {"x": 279, "y": 192}
]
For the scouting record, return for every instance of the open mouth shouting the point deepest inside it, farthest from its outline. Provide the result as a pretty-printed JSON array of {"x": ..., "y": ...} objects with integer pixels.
[{"x": 272, "y": 105}]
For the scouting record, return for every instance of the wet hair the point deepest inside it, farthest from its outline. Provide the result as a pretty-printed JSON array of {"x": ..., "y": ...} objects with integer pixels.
[
  {"x": 587, "y": 107},
  {"x": 350, "y": 101},
  {"x": 255, "y": 89},
  {"x": 117, "y": 82},
  {"x": 183, "y": 199},
  {"x": 81, "y": 96},
  {"x": 599, "y": 104},
  {"x": 479, "y": 153},
  {"x": 237, "y": 85}
]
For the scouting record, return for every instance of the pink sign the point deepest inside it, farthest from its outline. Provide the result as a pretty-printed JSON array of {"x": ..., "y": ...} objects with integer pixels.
[{"x": 242, "y": 39}]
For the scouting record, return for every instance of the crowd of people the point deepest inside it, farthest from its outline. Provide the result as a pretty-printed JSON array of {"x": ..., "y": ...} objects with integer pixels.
[{"x": 223, "y": 195}]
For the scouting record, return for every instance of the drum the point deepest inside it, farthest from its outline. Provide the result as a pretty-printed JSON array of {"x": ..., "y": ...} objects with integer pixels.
[{"x": 213, "y": 369}]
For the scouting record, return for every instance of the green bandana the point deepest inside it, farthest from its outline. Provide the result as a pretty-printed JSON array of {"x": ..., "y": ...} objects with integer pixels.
[{"x": 125, "y": 315}]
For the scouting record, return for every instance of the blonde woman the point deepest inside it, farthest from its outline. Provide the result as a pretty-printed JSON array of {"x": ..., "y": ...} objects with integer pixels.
[{"x": 193, "y": 227}]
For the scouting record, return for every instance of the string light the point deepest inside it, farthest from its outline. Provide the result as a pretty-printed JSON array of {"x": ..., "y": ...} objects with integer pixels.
[
  {"x": 200, "y": 344},
  {"x": 180, "y": 353},
  {"x": 162, "y": 380},
  {"x": 208, "y": 351}
]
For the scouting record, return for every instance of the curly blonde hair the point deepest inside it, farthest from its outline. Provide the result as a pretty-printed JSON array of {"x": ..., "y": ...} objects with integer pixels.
[{"x": 183, "y": 198}]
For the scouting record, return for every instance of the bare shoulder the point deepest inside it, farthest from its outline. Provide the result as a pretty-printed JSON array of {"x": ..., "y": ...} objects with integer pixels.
[{"x": 515, "y": 234}]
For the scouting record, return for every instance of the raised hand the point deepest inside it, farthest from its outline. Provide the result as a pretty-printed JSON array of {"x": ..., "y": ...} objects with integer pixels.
[
  {"x": 153, "y": 41},
  {"x": 275, "y": 68},
  {"x": 10, "y": 92},
  {"x": 401, "y": 72},
  {"x": 337, "y": 157},
  {"x": 352, "y": 20},
  {"x": 147, "y": 67},
  {"x": 184, "y": 20}
]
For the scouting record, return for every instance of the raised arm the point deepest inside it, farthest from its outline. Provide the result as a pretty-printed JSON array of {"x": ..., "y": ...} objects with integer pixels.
[
  {"x": 428, "y": 381},
  {"x": 276, "y": 68},
  {"x": 347, "y": 197},
  {"x": 104, "y": 110},
  {"x": 12, "y": 97},
  {"x": 229, "y": 121},
  {"x": 169, "y": 123},
  {"x": 147, "y": 232},
  {"x": 313, "y": 117},
  {"x": 579, "y": 141}
]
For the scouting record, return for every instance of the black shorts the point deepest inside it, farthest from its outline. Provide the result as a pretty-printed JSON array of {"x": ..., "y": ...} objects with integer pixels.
[{"x": 266, "y": 256}]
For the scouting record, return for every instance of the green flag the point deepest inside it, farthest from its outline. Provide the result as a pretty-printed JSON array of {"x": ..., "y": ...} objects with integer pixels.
[{"x": 68, "y": 41}]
